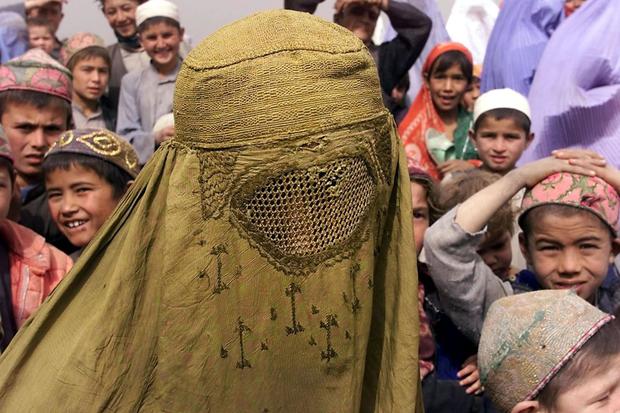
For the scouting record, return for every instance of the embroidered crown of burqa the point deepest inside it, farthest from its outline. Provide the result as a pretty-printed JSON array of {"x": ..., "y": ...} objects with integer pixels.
[{"x": 263, "y": 261}]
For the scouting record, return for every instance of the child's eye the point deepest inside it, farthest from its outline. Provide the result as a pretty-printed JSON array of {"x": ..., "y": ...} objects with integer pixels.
[{"x": 588, "y": 246}]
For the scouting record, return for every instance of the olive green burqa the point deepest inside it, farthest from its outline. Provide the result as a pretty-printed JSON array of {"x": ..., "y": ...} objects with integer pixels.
[{"x": 263, "y": 261}]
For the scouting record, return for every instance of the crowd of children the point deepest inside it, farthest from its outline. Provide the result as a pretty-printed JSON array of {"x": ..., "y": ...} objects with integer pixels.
[{"x": 517, "y": 290}]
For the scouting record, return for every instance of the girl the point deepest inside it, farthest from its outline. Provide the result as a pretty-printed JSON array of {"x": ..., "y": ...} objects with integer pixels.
[{"x": 434, "y": 132}]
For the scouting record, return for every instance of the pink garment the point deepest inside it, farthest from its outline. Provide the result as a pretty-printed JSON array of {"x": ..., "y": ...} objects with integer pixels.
[{"x": 35, "y": 267}]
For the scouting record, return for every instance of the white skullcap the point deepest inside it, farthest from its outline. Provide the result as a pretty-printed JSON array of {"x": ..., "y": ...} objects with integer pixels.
[
  {"x": 157, "y": 8},
  {"x": 501, "y": 99}
]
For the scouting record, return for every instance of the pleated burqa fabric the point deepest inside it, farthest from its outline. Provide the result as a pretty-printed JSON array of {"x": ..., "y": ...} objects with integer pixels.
[{"x": 263, "y": 260}]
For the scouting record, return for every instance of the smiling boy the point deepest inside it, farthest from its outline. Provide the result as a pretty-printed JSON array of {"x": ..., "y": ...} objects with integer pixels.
[{"x": 146, "y": 95}]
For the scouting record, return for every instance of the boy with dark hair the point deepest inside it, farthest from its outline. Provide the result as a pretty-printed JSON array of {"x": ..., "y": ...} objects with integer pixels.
[
  {"x": 86, "y": 174},
  {"x": 146, "y": 95},
  {"x": 29, "y": 268},
  {"x": 49, "y": 11},
  {"x": 41, "y": 35},
  {"x": 550, "y": 351},
  {"x": 35, "y": 108},
  {"x": 86, "y": 56},
  {"x": 501, "y": 129}
]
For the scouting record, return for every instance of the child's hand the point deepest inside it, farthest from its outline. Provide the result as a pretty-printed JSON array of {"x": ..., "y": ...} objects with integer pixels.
[
  {"x": 164, "y": 134},
  {"x": 590, "y": 159},
  {"x": 470, "y": 376},
  {"x": 534, "y": 172},
  {"x": 455, "y": 165}
]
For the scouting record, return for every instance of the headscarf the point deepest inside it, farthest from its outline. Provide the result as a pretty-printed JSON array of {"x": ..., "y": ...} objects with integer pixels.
[
  {"x": 579, "y": 105},
  {"x": 517, "y": 42},
  {"x": 423, "y": 124},
  {"x": 13, "y": 36},
  {"x": 471, "y": 23},
  {"x": 262, "y": 261}
]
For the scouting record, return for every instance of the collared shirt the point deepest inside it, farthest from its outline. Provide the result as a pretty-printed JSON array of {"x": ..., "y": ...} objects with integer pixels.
[
  {"x": 145, "y": 97},
  {"x": 82, "y": 121}
]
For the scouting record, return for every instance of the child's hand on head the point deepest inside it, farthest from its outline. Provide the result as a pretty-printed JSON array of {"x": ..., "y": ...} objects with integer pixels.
[
  {"x": 470, "y": 376},
  {"x": 534, "y": 172},
  {"x": 455, "y": 165},
  {"x": 590, "y": 159}
]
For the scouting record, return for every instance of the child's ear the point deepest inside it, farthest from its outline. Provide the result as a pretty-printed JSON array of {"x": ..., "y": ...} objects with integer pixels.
[
  {"x": 472, "y": 136},
  {"x": 529, "y": 139},
  {"x": 182, "y": 32},
  {"x": 524, "y": 249},
  {"x": 529, "y": 406}
]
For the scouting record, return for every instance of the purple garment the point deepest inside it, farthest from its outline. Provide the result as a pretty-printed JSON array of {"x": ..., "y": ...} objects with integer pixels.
[
  {"x": 519, "y": 37},
  {"x": 575, "y": 97},
  {"x": 13, "y": 36}
]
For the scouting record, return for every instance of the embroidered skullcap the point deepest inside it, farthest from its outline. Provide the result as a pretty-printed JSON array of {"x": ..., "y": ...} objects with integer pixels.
[
  {"x": 157, "y": 8},
  {"x": 36, "y": 71},
  {"x": 5, "y": 149},
  {"x": 101, "y": 144},
  {"x": 79, "y": 42},
  {"x": 580, "y": 191},
  {"x": 501, "y": 99},
  {"x": 29, "y": 4},
  {"x": 527, "y": 338}
]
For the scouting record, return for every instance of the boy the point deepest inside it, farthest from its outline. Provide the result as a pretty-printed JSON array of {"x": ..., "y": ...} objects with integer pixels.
[
  {"x": 550, "y": 351},
  {"x": 86, "y": 56},
  {"x": 146, "y": 95},
  {"x": 29, "y": 268},
  {"x": 35, "y": 108},
  {"x": 501, "y": 129},
  {"x": 568, "y": 222},
  {"x": 40, "y": 35},
  {"x": 86, "y": 174},
  {"x": 49, "y": 11}
]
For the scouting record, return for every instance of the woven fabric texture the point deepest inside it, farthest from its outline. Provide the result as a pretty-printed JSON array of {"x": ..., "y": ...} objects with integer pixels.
[{"x": 263, "y": 260}]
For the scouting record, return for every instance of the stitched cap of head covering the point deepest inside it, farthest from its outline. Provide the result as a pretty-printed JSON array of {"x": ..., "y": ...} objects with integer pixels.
[
  {"x": 5, "y": 149},
  {"x": 99, "y": 143},
  {"x": 35, "y": 70},
  {"x": 28, "y": 4},
  {"x": 580, "y": 191},
  {"x": 501, "y": 99},
  {"x": 157, "y": 8},
  {"x": 78, "y": 42},
  {"x": 442, "y": 48},
  {"x": 527, "y": 338}
]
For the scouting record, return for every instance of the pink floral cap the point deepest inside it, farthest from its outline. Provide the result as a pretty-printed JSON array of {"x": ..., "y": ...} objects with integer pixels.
[
  {"x": 580, "y": 191},
  {"x": 78, "y": 42},
  {"x": 5, "y": 149},
  {"x": 35, "y": 70}
]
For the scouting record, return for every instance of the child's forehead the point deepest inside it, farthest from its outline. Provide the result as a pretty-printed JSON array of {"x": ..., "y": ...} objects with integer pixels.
[
  {"x": 563, "y": 222},
  {"x": 507, "y": 123},
  {"x": 158, "y": 27}
]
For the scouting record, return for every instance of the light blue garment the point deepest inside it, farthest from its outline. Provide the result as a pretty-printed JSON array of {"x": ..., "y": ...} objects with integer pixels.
[
  {"x": 13, "y": 36},
  {"x": 575, "y": 97},
  {"x": 145, "y": 97},
  {"x": 438, "y": 35},
  {"x": 521, "y": 32}
]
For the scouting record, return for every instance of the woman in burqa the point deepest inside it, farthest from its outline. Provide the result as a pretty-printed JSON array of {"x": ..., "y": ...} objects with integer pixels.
[{"x": 263, "y": 259}]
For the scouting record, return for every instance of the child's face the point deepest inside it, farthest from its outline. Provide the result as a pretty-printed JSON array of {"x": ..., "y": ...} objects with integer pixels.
[
  {"x": 500, "y": 143},
  {"x": 6, "y": 191},
  {"x": 572, "y": 251},
  {"x": 90, "y": 78},
  {"x": 497, "y": 254},
  {"x": 40, "y": 36},
  {"x": 361, "y": 19},
  {"x": 51, "y": 12},
  {"x": 420, "y": 214},
  {"x": 121, "y": 16},
  {"x": 596, "y": 394},
  {"x": 447, "y": 88},
  {"x": 80, "y": 202},
  {"x": 30, "y": 132},
  {"x": 472, "y": 94},
  {"x": 161, "y": 41}
]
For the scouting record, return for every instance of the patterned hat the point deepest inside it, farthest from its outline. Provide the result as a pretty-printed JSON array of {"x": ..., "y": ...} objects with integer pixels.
[
  {"x": 78, "y": 42},
  {"x": 35, "y": 70},
  {"x": 99, "y": 143},
  {"x": 580, "y": 191},
  {"x": 527, "y": 338},
  {"x": 5, "y": 149}
]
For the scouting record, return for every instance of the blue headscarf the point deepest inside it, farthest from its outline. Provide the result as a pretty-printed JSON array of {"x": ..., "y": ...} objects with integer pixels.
[{"x": 13, "y": 36}]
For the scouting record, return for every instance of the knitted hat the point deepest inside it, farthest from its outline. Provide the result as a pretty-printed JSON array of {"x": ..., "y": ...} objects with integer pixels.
[
  {"x": 35, "y": 70},
  {"x": 78, "y": 42},
  {"x": 580, "y": 191},
  {"x": 99, "y": 143},
  {"x": 501, "y": 99},
  {"x": 157, "y": 8},
  {"x": 5, "y": 149},
  {"x": 527, "y": 338}
]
